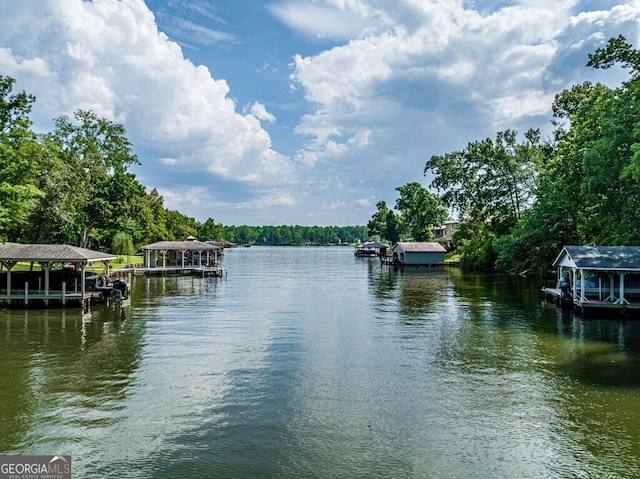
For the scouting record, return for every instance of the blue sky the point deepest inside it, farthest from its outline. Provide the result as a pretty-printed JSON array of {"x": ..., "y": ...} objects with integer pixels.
[{"x": 303, "y": 111}]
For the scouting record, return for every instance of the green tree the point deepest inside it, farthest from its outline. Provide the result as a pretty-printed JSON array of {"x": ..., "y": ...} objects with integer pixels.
[
  {"x": 476, "y": 243},
  {"x": 590, "y": 178},
  {"x": 122, "y": 244},
  {"x": 52, "y": 218},
  {"x": 126, "y": 195},
  {"x": 588, "y": 191},
  {"x": 99, "y": 154},
  {"x": 420, "y": 210},
  {"x": 384, "y": 223},
  {"x": 489, "y": 181},
  {"x": 153, "y": 224},
  {"x": 617, "y": 51},
  {"x": 209, "y": 230},
  {"x": 20, "y": 157},
  {"x": 179, "y": 226},
  {"x": 490, "y": 184}
]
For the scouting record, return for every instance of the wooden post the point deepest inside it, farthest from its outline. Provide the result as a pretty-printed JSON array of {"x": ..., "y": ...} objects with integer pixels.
[
  {"x": 47, "y": 268},
  {"x": 621, "y": 300},
  {"x": 612, "y": 292},
  {"x": 64, "y": 293},
  {"x": 83, "y": 279},
  {"x": 26, "y": 292},
  {"x": 9, "y": 265}
]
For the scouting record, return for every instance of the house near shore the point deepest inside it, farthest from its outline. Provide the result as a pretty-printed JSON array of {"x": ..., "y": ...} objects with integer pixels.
[
  {"x": 446, "y": 230},
  {"x": 418, "y": 253}
]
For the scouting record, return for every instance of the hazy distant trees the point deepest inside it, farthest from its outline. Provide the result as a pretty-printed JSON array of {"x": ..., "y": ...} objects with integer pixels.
[{"x": 295, "y": 235}]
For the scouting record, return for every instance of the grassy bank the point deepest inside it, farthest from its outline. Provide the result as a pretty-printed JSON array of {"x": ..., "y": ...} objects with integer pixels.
[{"x": 96, "y": 267}]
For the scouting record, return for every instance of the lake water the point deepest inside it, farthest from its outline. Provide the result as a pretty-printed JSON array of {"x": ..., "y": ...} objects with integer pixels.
[{"x": 311, "y": 363}]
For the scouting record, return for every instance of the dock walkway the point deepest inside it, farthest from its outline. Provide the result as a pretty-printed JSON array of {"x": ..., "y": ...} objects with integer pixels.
[
  {"x": 628, "y": 303},
  {"x": 29, "y": 297},
  {"x": 215, "y": 271}
]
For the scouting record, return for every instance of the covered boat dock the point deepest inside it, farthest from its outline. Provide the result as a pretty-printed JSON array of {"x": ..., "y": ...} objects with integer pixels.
[
  {"x": 60, "y": 279},
  {"x": 182, "y": 257},
  {"x": 418, "y": 253},
  {"x": 597, "y": 277},
  {"x": 370, "y": 248}
]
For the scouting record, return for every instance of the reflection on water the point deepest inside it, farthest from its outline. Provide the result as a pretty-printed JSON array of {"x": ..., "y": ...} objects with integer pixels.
[
  {"x": 63, "y": 367},
  {"x": 553, "y": 394},
  {"x": 308, "y": 362}
]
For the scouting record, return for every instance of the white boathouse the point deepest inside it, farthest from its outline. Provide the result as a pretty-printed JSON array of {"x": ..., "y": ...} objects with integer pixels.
[{"x": 606, "y": 277}]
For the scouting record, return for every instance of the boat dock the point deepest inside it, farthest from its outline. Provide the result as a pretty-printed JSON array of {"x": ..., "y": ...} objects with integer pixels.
[
  {"x": 589, "y": 302},
  {"x": 29, "y": 297},
  {"x": 47, "y": 298},
  {"x": 141, "y": 270},
  {"x": 370, "y": 248},
  {"x": 186, "y": 258},
  {"x": 64, "y": 275},
  {"x": 57, "y": 275},
  {"x": 597, "y": 278}
]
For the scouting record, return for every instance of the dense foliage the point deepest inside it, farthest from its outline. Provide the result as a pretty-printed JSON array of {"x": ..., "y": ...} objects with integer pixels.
[
  {"x": 588, "y": 190},
  {"x": 74, "y": 186},
  {"x": 416, "y": 211},
  {"x": 489, "y": 184},
  {"x": 521, "y": 201}
]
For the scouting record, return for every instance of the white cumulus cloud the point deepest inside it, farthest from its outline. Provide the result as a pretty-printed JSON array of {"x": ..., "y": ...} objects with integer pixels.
[
  {"x": 433, "y": 66},
  {"x": 108, "y": 56},
  {"x": 375, "y": 88}
]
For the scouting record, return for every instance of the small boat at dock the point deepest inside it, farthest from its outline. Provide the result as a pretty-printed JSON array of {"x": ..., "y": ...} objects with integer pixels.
[{"x": 370, "y": 248}]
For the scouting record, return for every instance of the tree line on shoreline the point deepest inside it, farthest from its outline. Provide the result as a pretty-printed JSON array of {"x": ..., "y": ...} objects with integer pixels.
[
  {"x": 74, "y": 185},
  {"x": 521, "y": 201}
]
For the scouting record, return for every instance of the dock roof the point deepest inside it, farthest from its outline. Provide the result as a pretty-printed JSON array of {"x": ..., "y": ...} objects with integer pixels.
[
  {"x": 182, "y": 245},
  {"x": 610, "y": 258},
  {"x": 370, "y": 244},
  {"x": 51, "y": 253},
  {"x": 422, "y": 247}
]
